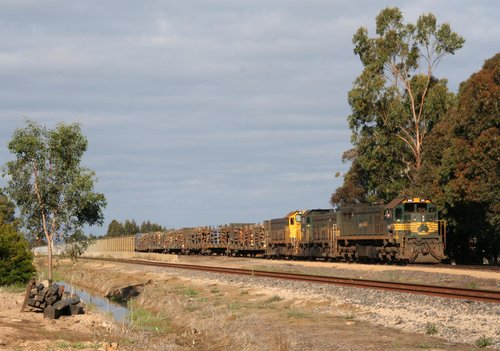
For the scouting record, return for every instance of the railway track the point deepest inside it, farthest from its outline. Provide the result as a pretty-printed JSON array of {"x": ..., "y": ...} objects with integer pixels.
[{"x": 447, "y": 292}]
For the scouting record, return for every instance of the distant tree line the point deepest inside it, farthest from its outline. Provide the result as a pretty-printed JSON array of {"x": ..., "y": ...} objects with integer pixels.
[
  {"x": 130, "y": 227},
  {"x": 412, "y": 136}
]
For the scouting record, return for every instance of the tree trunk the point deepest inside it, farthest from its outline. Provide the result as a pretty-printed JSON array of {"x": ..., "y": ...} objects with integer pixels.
[{"x": 49, "y": 263}]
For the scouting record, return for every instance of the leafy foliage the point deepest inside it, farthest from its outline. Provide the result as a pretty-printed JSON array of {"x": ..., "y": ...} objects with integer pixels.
[
  {"x": 353, "y": 190},
  {"x": 54, "y": 194},
  {"x": 395, "y": 103},
  {"x": 7, "y": 209},
  {"x": 76, "y": 244},
  {"x": 462, "y": 166},
  {"x": 147, "y": 227},
  {"x": 16, "y": 259}
]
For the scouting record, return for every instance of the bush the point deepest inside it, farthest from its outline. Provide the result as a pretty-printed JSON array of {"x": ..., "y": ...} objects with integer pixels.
[
  {"x": 431, "y": 329},
  {"x": 16, "y": 259},
  {"x": 483, "y": 342}
]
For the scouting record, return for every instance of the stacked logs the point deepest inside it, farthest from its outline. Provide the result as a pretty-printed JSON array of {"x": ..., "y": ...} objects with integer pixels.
[
  {"x": 246, "y": 237},
  {"x": 54, "y": 301}
]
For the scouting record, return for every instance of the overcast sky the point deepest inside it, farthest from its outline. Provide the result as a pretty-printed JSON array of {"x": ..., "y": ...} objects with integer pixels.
[{"x": 206, "y": 112}]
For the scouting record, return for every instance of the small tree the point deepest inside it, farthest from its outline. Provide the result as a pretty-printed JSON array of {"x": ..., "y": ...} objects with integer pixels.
[
  {"x": 54, "y": 194},
  {"x": 77, "y": 244},
  {"x": 16, "y": 258},
  {"x": 115, "y": 229},
  {"x": 130, "y": 227}
]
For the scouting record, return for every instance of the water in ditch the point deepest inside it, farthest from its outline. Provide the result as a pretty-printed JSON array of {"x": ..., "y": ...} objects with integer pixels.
[{"x": 120, "y": 313}]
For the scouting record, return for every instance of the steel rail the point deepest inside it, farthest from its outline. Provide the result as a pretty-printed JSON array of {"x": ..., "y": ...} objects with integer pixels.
[{"x": 432, "y": 290}]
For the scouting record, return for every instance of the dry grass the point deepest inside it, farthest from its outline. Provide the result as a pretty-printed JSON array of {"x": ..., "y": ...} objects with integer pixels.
[
  {"x": 174, "y": 313},
  {"x": 280, "y": 341}
]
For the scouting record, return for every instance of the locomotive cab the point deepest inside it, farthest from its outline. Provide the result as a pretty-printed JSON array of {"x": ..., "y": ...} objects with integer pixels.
[
  {"x": 416, "y": 210},
  {"x": 295, "y": 226},
  {"x": 409, "y": 222},
  {"x": 415, "y": 216}
]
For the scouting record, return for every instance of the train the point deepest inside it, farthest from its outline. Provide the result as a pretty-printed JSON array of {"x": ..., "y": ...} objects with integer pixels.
[{"x": 406, "y": 230}]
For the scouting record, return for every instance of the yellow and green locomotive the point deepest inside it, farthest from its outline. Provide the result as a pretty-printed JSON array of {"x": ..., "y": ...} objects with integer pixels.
[{"x": 406, "y": 229}]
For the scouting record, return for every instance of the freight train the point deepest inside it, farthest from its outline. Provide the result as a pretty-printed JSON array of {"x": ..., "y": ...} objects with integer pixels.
[{"x": 404, "y": 230}]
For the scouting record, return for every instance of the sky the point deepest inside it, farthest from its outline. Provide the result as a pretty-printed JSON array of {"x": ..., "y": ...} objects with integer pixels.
[{"x": 206, "y": 112}]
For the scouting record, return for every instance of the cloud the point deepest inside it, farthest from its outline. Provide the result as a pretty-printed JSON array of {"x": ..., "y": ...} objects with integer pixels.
[{"x": 204, "y": 112}]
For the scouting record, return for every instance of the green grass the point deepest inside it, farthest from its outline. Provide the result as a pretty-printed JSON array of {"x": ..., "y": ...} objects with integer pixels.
[
  {"x": 62, "y": 345},
  {"x": 274, "y": 298},
  {"x": 118, "y": 300},
  {"x": 349, "y": 316},
  {"x": 78, "y": 345},
  {"x": 44, "y": 274},
  {"x": 65, "y": 345},
  {"x": 239, "y": 305},
  {"x": 13, "y": 288},
  {"x": 90, "y": 306},
  {"x": 471, "y": 285},
  {"x": 297, "y": 314},
  {"x": 147, "y": 320},
  {"x": 186, "y": 291},
  {"x": 393, "y": 275},
  {"x": 483, "y": 342},
  {"x": 396, "y": 343},
  {"x": 424, "y": 345},
  {"x": 431, "y": 329}
]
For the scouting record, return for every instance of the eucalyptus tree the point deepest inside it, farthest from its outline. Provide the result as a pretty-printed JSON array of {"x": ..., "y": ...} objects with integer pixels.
[
  {"x": 396, "y": 100},
  {"x": 76, "y": 245},
  {"x": 53, "y": 192}
]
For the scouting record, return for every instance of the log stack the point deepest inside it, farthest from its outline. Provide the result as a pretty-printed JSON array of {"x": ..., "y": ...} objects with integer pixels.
[{"x": 54, "y": 301}]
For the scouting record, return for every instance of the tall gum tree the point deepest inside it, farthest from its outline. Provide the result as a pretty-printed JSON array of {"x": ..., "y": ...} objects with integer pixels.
[
  {"x": 462, "y": 167},
  {"x": 396, "y": 99},
  {"x": 54, "y": 194}
]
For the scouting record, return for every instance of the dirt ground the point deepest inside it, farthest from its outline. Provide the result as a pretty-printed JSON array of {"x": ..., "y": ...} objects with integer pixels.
[
  {"x": 30, "y": 331},
  {"x": 179, "y": 312}
]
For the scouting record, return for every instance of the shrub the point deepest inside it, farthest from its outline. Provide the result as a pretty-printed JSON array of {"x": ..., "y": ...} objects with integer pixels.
[
  {"x": 16, "y": 259},
  {"x": 483, "y": 342},
  {"x": 431, "y": 329}
]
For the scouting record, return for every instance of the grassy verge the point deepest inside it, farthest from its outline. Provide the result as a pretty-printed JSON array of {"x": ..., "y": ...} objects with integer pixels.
[
  {"x": 14, "y": 288},
  {"x": 147, "y": 320}
]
